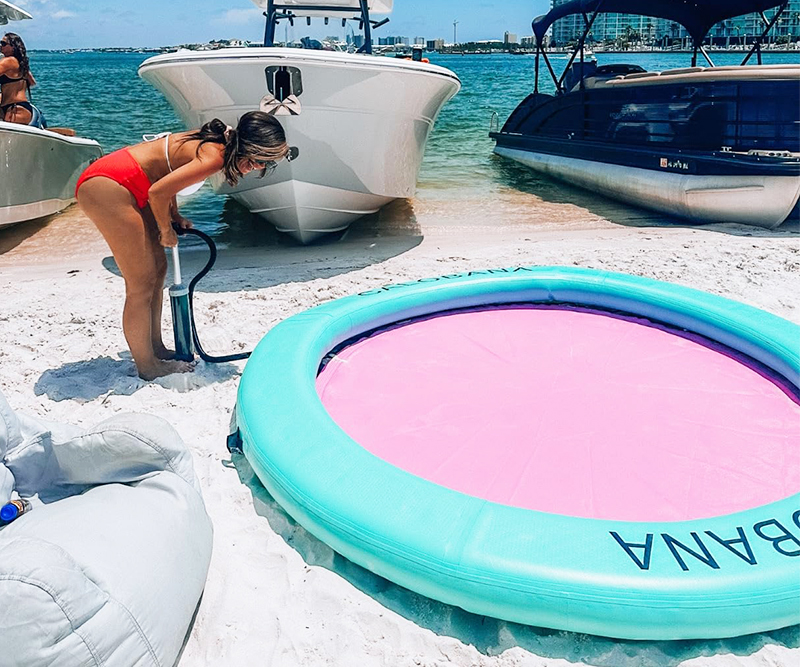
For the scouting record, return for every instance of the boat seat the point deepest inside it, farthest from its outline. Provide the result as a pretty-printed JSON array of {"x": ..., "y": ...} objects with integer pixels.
[
  {"x": 682, "y": 70},
  {"x": 696, "y": 75},
  {"x": 642, "y": 75},
  {"x": 591, "y": 82},
  {"x": 599, "y": 76}
]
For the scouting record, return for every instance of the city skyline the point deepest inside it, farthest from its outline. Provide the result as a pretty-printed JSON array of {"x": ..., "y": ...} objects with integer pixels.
[
  {"x": 60, "y": 24},
  {"x": 76, "y": 24}
]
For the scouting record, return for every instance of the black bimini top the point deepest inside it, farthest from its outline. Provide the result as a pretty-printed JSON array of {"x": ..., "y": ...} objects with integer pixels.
[{"x": 697, "y": 16}]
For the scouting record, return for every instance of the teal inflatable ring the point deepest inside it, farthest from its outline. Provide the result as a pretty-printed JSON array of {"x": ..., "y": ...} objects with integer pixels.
[{"x": 710, "y": 578}]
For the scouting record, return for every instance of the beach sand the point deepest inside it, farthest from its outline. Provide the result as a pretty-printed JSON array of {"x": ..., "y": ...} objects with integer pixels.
[{"x": 276, "y": 595}]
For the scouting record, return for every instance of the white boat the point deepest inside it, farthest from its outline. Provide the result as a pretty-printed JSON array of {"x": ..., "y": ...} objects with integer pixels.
[
  {"x": 360, "y": 121},
  {"x": 38, "y": 168}
]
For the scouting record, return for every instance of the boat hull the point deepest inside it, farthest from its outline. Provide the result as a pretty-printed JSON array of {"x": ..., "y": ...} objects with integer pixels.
[
  {"x": 361, "y": 124},
  {"x": 40, "y": 170},
  {"x": 309, "y": 210},
  {"x": 760, "y": 200}
]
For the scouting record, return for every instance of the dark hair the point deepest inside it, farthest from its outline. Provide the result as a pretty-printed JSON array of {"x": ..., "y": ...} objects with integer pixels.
[
  {"x": 20, "y": 53},
  {"x": 258, "y": 137}
]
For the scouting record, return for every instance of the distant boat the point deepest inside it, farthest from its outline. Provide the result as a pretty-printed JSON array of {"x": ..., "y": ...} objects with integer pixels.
[
  {"x": 38, "y": 168},
  {"x": 361, "y": 122},
  {"x": 706, "y": 143}
]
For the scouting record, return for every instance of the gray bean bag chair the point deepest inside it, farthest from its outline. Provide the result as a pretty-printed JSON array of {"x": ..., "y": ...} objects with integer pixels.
[{"x": 108, "y": 566}]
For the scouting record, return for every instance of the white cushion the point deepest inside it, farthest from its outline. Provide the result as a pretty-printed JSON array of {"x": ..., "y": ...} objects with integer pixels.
[
  {"x": 112, "y": 574},
  {"x": 9, "y": 433}
]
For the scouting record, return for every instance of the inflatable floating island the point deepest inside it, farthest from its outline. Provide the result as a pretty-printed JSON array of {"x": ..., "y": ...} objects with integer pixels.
[{"x": 559, "y": 447}]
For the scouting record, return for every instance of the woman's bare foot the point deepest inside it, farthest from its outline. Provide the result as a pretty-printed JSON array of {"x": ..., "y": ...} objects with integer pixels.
[
  {"x": 161, "y": 368},
  {"x": 163, "y": 353}
]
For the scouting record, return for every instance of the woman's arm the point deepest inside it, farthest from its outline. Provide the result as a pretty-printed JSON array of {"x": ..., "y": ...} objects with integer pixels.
[
  {"x": 177, "y": 218},
  {"x": 7, "y": 64},
  {"x": 162, "y": 193},
  {"x": 31, "y": 80}
]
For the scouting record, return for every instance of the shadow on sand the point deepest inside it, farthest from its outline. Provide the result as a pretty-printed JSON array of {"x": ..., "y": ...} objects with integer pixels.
[
  {"x": 84, "y": 381},
  {"x": 245, "y": 241},
  {"x": 519, "y": 177},
  {"x": 491, "y": 636}
]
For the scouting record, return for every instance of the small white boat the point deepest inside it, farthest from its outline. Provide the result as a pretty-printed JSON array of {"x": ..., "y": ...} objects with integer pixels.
[
  {"x": 38, "y": 168},
  {"x": 361, "y": 122}
]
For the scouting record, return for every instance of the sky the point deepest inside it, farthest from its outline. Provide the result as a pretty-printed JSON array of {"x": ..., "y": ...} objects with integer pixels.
[{"x": 62, "y": 24}]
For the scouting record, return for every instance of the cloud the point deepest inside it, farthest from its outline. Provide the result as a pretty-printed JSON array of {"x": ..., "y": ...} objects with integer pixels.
[
  {"x": 62, "y": 14},
  {"x": 240, "y": 16}
]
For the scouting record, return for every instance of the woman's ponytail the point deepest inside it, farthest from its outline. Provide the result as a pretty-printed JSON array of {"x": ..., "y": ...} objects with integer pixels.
[{"x": 217, "y": 132}]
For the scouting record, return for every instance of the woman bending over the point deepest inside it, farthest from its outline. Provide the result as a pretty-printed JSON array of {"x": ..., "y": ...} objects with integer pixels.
[{"x": 130, "y": 197}]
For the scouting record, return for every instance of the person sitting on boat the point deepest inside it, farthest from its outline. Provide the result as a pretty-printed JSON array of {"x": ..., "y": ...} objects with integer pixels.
[
  {"x": 15, "y": 80},
  {"x": 130, "y": 195}
]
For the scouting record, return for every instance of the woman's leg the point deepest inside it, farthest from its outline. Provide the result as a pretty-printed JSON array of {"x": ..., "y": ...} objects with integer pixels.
[
  {"x": 18, "y": 114},
  {"x": 113, "y": 210},
  {"x": 160, "y": 260}
]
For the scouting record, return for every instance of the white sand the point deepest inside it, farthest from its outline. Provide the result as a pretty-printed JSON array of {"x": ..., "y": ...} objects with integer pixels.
[{"x": 276, "y": 595}]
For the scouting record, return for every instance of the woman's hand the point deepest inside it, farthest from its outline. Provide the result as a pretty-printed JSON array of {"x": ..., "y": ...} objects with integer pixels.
[
  {"x": 167, "y": 237},
  {"x": 181, "y": 222}
]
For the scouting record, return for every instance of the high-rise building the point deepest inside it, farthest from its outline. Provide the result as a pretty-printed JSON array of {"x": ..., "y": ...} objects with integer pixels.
[
  {"x": 435, "y": 44},
  {"x": 737, "y": 29},
  {"x": 419, "y": 40},
  {"x": 509, "y": 38},
  {"x": 605, "y": 27},
  {"x": 650, "y": 30}
]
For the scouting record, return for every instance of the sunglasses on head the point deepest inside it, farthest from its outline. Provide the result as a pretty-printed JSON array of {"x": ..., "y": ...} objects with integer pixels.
[{"x": 3, "y": 42}]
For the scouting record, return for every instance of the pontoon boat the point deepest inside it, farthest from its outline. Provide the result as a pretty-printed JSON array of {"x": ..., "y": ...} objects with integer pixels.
[{"x": 706, "y": 143}]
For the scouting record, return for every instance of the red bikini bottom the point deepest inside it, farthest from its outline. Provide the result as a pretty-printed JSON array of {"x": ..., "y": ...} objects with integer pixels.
[{"x": 122, "y": 167}]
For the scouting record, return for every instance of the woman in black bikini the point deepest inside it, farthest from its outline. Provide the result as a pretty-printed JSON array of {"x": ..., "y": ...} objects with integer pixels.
[{"x": 15, "y": 79}]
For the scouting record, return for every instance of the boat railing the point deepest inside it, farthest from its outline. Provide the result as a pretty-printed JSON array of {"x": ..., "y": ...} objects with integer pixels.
[
  {"x": 494, "y": 122},
  {"x": 277, "y": 12},
  {"x": 581, "y": 49}
]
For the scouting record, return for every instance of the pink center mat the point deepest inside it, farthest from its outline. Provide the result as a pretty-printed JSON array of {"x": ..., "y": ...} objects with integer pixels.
[{"x": 571, "y": 412}]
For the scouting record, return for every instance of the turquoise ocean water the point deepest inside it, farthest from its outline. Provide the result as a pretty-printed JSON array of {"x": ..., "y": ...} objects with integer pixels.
[{"x": 101, "y": 96}]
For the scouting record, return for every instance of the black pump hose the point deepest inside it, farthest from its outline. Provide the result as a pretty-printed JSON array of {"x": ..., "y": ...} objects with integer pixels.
[{"x": 212, "y": 249}]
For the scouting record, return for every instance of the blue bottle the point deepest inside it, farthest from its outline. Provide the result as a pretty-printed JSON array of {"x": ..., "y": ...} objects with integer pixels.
[{"x": 13, "y": 509}]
